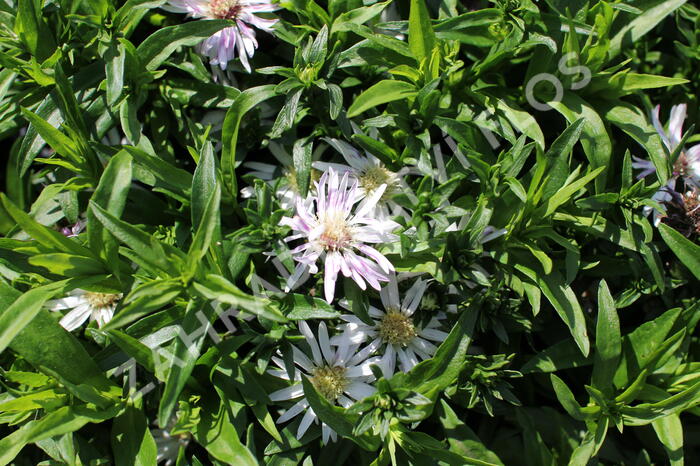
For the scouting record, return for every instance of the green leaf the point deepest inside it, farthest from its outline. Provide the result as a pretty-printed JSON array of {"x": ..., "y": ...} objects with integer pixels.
[
  {"x": 336, "y": 417},
  {"x": 68, "y": 265},
  {"x": 632, "y": 30},
  {"x": 562, "y": 355},
  {"x": 217, "y": 434},
  {"x": 302, "y": 157},
  {"x": 18, "y": 315},
  {"x": 566, "y": 398},
  {"x": 669, "y": 430},
  {"x": 357, "y": 16},
  {"x": 383, "y": 92},
  {"x": 61, "y": 143},
  {"x": 217, "y": 287},
  {"x": 133, "y": 348},
  {"x": 51, "y": 239},
  {"x": 111, "y": 194},
  {"x": 462, "y": 439},
  {"x": 302, "y": 307},
  {"x": 634, "y": 122},
  {"x": 32, "y": 29},
  {"x": 204, "y": 183},
  {"x": 209, "y": 223},
  {"x": 640, "y": 345},
  {"x": 594, "y": 139},
  {"x": 646, "y": 413},
  {"x": 247, "y": 100},
  {"x": 140, "y": 242},
  {"x": 686, "y": 251},
  {"x": 608, "y": 342},
  {"x": 184, "y": 356},
  {"x": 564, "y": 301},
  {"x": 434, "y": 375},
  {"x": 63, "y": 420},
  {"x": 319, "y": 48},
  {"x": 114, "y": 57},
  {"x": 421, "y": 37},
  {"x": 132, "y": 442},
  {"x": 161, "y": 44},
  {"x": 591, "y": 443}
]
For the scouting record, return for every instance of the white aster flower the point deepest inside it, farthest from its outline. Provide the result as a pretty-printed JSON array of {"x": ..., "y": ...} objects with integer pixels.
[
  {"x": 221, "y": 47},
  {"x": 338, "y": 374},
  {"x": 332, "y": 232},
  {"x": 395, "y": 329},
  {"x": 371, "y": 173},
  {"x": 85, "y": 305},
  {"x": 687, "y": 165}
]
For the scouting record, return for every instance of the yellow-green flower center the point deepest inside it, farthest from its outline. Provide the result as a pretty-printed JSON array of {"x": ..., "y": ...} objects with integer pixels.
[
  {"x": 377, "y": 175},
  {"x": 101, "y": 299},
  {"x": 396, "y": 328},
  {"x": 329, "y": 381},
  {"x": 336, "y": 231},
  {"x": 291, "y": 175},
  {"x": 224, "y": 9}
]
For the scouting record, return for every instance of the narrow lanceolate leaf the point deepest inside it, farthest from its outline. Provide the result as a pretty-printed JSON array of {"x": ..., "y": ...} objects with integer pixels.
[
  {"x": 217, "y": 287},
  {"x": 383, "y": 92},
  {"x": 246, "y": 101},
  {"x": 686, "y": 251},
  {"x": 635, "y": 123},
  {"x": 132, "y": 441},
  {"x": 421, "y": 37},
  {"x": 564, "y": 300},
  {"x": 144, "y": 245},
  {"x": 111, "y": 194},
  {"x": 630, "y": 33},
  {"x": 205, "y": 231},
  {"x": 203, "y": 183},
  {"x": 608, "y": 342},
  {"x": 186, "y": 351},
  {"x": 595, "y": 139},
  {"x": 301, "y": 155},
  {"x": 64, "y": 420},
  {"x": 566, "y": 397}
]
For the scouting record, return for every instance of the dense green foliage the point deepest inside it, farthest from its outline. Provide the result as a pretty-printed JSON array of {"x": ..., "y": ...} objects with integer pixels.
[{"x": 571, "y": 310}]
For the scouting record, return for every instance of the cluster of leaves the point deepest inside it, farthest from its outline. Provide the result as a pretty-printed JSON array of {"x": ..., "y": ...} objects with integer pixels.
[{"x": 111, "y": 117}]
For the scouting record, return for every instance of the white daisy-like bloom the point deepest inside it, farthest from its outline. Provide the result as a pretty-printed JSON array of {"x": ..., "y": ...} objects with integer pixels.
[
  {"x": 395, "y": 329},
  {"x": 85, "y": 305},
  {"x": 338, "y": 373},
  {"x": 223, "y": 45},
  {"x": 370, "y": 174},
  {"x": 687, "y": 165},
  {"x": 333, "y": 232}
]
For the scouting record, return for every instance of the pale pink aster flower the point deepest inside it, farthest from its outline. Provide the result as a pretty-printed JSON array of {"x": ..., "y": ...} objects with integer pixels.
[
  {"x": 334, "y": 233},
  {"x": 687, "y": 165},
  {"x": 221, "y": 47},
  {"x": 341, "y": 375},
  {"x": 394, "y": 328}
]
